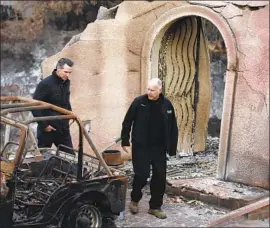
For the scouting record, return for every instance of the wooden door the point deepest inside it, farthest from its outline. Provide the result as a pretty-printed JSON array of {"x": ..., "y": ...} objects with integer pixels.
[{"x": 184, "y": 68}]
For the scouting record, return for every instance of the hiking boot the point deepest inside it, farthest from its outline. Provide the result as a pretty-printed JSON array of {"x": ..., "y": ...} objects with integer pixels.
[
  {"x": 158, "y": 213},
  {"x": 133, "y": 207}
]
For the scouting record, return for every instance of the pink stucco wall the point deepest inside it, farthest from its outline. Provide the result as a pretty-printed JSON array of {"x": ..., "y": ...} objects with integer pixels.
[{"x": 248, "y": 152}]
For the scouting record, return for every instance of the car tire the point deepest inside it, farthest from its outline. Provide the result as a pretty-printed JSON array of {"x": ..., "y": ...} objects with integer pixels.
[{"x": 83, "y": 216}]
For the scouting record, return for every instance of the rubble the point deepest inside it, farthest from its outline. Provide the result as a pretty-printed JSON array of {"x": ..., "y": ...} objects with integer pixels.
[{"x": 201, "y": 164}]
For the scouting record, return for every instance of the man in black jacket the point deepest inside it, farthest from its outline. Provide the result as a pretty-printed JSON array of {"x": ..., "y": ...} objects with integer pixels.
[
  {"x": 55, "y": 89},
  {"x": 154, "y": 133}
]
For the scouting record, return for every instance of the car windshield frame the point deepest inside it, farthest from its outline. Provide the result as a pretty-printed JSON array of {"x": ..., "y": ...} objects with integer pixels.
[{"x": 17, "y": 104}]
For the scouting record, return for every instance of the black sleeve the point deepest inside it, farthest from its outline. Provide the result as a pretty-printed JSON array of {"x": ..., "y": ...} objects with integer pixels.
[
  {"x": 127, "y": 123},
  {"x": 42, "y": 93},
  {"x": 174, "y": 133},
  {"x": 68, "y": 96},
  {"x": 69, "y": 105}
]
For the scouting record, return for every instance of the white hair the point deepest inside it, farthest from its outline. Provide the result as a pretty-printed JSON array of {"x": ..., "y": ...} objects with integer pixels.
[{"x": 155, "y": 82}]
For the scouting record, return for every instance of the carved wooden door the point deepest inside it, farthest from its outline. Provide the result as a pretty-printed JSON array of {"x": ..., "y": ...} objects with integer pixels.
[{"x": 184, "y": 68}]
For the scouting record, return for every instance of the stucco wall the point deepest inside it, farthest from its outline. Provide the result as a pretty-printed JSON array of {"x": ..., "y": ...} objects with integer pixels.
[
  {"x": 99, "y": 78},
  {"x": 248, "y": 154},
  {"x": 107, "y": 76}
]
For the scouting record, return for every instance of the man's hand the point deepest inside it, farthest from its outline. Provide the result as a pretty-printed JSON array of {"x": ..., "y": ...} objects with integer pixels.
[
  {"x": 49, "y": 128},
  {"x": 127, "y": 149}
]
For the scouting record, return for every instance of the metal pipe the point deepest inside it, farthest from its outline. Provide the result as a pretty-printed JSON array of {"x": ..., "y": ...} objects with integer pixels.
[
  {"x": 9, "y": 98},
  {"x": 21, "y": 109},
  {"x": 15, "y": 105},
  {"x": 7, "y": 133},
  {"x": 80, "y": 152},
  {"x": 23, "y": 129},
  {"x": 103, "y": 163},
  {"x": 30, "y": 101},
  {"x": 44, "y": 118},
  {"x": 32, "y": 137}
]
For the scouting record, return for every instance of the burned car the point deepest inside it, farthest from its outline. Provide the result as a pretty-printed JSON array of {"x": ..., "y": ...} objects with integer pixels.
[{"x": 46, "y": 187}]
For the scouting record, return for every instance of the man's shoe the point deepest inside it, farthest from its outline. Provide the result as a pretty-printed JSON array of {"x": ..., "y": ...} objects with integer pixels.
[
  {"x": 158, "y": 213},
  {"x": 133, "y": 207}
]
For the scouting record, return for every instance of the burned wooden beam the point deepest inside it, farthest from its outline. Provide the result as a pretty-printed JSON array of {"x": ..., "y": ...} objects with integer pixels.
[{"x": 241, "y": 211}]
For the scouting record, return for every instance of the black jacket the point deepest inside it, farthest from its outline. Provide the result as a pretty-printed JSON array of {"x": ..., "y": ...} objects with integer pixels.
[
  {"x": 137, "y": 117},
  {"x": 55, "y": 91}
]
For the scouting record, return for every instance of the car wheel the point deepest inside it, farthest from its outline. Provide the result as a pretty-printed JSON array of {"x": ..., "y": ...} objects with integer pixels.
[{"x": 84, "y": 216}]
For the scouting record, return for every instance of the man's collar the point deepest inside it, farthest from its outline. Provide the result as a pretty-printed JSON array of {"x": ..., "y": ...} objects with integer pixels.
[
  {"x": 160, "y": 98},
  {"x": 57, "y": 78}
]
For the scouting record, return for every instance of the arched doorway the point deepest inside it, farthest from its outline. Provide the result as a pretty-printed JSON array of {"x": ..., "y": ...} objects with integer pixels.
[
  {"x": 150, "y": 66},
  {"x": 183, "y": 66}
]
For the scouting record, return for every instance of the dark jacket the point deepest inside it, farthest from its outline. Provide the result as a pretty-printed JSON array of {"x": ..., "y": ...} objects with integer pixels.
[
  {"x": 55, "y": 91},
  {"x": 137, "y": 117}
]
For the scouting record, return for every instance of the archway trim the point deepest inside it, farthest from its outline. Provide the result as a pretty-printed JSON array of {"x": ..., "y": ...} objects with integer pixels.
[{"x": 230, "y": 43}]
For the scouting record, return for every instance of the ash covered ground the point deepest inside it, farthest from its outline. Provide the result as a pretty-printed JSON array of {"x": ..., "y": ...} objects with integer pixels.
[
  {"x": 199, "y": 164},
  {"x": 183, "y": 212}
]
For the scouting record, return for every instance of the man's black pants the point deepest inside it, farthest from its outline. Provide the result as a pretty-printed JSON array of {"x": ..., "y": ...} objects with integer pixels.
[
  {"x": 142, "y": 160},
  {"x": 46, "y": 139}
]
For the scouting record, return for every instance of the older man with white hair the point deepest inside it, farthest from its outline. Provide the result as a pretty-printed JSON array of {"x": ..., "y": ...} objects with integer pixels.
[{"x": 154, "y": 133}]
